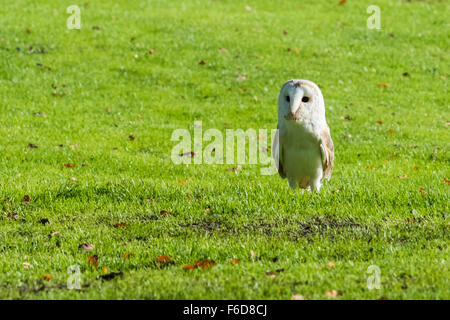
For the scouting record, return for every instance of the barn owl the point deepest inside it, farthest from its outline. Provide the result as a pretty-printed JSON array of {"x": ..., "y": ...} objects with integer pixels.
[{"x": 302, "y": 147}]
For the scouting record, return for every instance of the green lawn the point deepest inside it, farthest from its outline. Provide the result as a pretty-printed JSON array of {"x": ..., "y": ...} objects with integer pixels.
[{"x": 78, "y": 95}]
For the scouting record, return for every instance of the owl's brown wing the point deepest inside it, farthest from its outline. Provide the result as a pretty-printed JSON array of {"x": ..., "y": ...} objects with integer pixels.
[
  {"x": 327, "y": 152},
  {"x": 277, "y": 153}
]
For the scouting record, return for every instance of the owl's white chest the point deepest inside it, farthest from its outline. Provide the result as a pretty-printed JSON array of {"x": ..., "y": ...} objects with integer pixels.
[{"x": 302, "y": 159}]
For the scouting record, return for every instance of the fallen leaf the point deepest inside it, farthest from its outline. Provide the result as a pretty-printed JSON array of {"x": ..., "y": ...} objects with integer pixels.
[
  {"x": 120, "y": 224},
  {"x": 331, "y": 264},
  {"x": 380, "y": 122},
  {"x": 383, "y": 85},
  {"x": 47, "y": 277},
  {"x": 296, "y": 51},
  {"x": 208, "y": 209},
  {"x": 93, "y": 260},
  {"x": 204, "y": 263},
  {"x": 422, "y": 191},
  {"x": 26, "y": 198},
  {"x": 164, "y": 260},
  {"x": 342, "y": 2},
  {"x": 86, "y": 246},
  {"x": 383, "y": 298},
  {"x": 131, "y": 137},
  {"x": 53, "y": 234},
  {"x": 188, "y": 267},
  {"x": 415, "y": 168},
  {"x": 297, "y": 297},
  {"x": 73, "y": 179},
  {"x": 285, "y": 32},
  {"x": 446, "y": 181},
  {"x": 164, "y": 212},
  {"x": 391, "y": 35},
  {"x": 69, "y": 165},
  {"x": 110, "y": 276},
  {"x": 348, "y": 118},
  {"x": 202, "y": 62},
  {"x": 151, "y": 51},
  {"x": 95, "y": 28},
  {"x": 126, "y": 255},
  {"x": 32, "y": 146},
  {"x": 332, "y": 294},
  {"x": 223, "y": 50},
  {"x": 391, "y": 131},
  {"x": 370, "y": 167},
  {"x": 403, "y": 177},
  {"x": 405, "y": 74},
  {"x": 235, "y": 261}
]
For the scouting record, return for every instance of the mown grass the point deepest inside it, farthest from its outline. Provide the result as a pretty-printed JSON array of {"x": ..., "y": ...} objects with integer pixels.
[{"x": 386, "y": 204}]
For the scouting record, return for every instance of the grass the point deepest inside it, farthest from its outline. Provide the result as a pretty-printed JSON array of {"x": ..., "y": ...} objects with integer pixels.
[{"x": 79, "y": 94}]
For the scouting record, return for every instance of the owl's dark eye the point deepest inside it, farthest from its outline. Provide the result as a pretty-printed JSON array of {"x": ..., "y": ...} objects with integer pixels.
[
  {"x": 288, "y": 99},
  {"x": 305, "y": 99}
]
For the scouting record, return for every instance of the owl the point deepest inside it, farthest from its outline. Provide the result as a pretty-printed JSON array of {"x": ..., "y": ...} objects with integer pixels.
[{"x": 303, "y": 149}]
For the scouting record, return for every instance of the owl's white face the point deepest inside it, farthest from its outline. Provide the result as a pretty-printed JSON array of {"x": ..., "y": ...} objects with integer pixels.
[{"x": 299, "y": 101}]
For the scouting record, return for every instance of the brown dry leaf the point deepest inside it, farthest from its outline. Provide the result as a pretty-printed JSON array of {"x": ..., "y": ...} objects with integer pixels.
[
  {"x": 391, "y": 131},
  {"x": 93, "y": 260},
  {"x": 202, "y": 62},
  {"x": 188, "y": 267},
  {"x": 120, "y": 224},
  {"x": 342, "y": 2},
  {"x": 164, "y": 212},
  {"x": 127, "y": 255},
  {"x": 151, "y": 51},
  {"x": 69, "y": 165},
  {"x": 332, "y": 294},
  {"x": 285, "y": 32},
  {"x": 415, "y": 168},
  {"x": 235, "y": 261},
  {"x": 26, "y": 198},
  {"x": 383, "y": 85},
  {"x": 131, "y": 137},
  {"x": 405, "y": 74},
  {"x": 383, "y": 298},
  {"x": 181, "y": 182},
  {"x": 446, "y": 181},
  {"x": 165, "y": 260},
  {"x": 379, "y": 122},
  {"x": 422, "y": 191},
  {"x": 223, "y": 50},
  {"x": 297, "y": 297},
  {"x": 204, "y": 263},
  {"x": 443, "y": 77},
  {"x": 86, "y": 246},
  {"x": 47, "y": 277},
  {"x": 410, "y": 220},
  {"x": 371, "y": 167},
  {"x": 296, "y": 51},
  {"x": 32, "y": 146},
  {"x": 331, "y": 264},
  {"x": 403, "y": 177}
]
